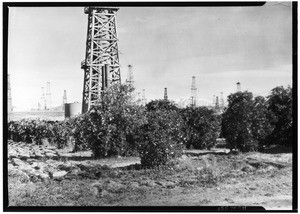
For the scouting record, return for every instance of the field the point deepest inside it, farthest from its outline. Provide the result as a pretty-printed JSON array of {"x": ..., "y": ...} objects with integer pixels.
[
  {"x": 47, "y": 176},
  {"x": 45, "y": 115}
]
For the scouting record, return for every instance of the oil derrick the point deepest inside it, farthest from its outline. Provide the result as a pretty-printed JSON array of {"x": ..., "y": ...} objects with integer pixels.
[
  {"x": 217, "y": 106},
  {"x": 214, "y": 100},
  {"x": 48, "y": 97},
  {"x": 144, "y": 100},
  {"x": 43, "y": 100},
  {"x": 9, "y": 99},
  {"x": 64, "y": 99},
  {"x": 166, "y": 94},
  {"x": 101, "y": 65},
  {"x": 193, "y": 92},
  {"x": 221, "y": 101},
  {"x": 129, "y": 79},
  {"x": 238, "y": 87}
]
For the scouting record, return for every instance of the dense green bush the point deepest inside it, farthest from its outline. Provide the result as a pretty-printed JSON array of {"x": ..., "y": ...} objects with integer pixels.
[
  {"x": 280, "y": 106},
  {"x": 109, "y": 128},
  {"x": 160, "y": 138},
  {"x": 161, "y": 105},
  {"x": 237, "y": 121},
  {"x": 29, "y": 131},
  {"x": 202, "y": 127},
  {"x": 261, "y": 127},
  {"x": 245, "y": 123}
]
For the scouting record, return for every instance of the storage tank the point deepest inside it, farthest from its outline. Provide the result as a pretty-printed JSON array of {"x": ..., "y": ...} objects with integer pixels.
[{"x": 72, "y": 109}]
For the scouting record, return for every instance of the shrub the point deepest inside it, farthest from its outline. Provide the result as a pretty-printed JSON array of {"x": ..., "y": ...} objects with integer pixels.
[
  {"x": 261, "y": 127},
  {"x": 160, "y": 138},
  {"x": 237, "y": 122},
  {"x": 59, "y": 133},
  {"x": 202, "y": 127},
  {"x": 280, "y": 106},
  {"x": 109, "y": 128}
]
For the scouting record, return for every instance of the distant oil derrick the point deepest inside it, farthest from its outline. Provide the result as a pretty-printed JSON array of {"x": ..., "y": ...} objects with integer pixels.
[
  {"x": 193, "y": 92},
  {"x": 48, "y": 97},
  {"x": 129, "y": 79},
  {"x": 43, "y": 100},
  {"x": 238, "y": 87},
  {"x": 214, "y": 100},
  {"x": 144, "y": 100},
  {"x": 217, "y": 106},
  {"x": 222, "y": 101},
  {"x": 166, "y": 94},
  {"x": 9, "y": 98},
  {"x": 101, "y": 65},
  {"x": 64, "y": 99}
]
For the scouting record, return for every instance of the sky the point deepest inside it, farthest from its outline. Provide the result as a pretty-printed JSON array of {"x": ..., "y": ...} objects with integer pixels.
[{"x": 166, "y": 46}]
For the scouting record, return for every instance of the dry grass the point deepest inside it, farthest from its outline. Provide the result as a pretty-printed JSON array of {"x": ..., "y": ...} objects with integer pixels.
[{"x": 208, "y": 172}]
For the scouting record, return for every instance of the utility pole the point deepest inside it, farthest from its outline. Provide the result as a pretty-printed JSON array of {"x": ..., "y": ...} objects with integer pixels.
[
  {"x": 101, "y": 65},
  {"x": 193, "y": 92}
]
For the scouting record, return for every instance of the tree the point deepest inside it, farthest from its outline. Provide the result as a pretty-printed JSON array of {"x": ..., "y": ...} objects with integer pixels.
[
  {"x": 112, "y": 123},
  {"x": 281, "y": 116},
  {"x": 202, "y": 127},
  {"x": 236, "y": 122},
  {"x": 161, "y": 138},
  {"x": 161, "y": 105},
  {"x": 261, "y": 127}
]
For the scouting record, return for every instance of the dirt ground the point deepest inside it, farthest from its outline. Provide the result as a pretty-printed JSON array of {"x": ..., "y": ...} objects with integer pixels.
[{"x": 46, "y": 176}]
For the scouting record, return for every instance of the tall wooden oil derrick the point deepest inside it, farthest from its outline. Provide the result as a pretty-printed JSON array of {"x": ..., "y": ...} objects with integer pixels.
[
  {"x": 193, "y": 92},
  {"x": 101, "y": 65}
]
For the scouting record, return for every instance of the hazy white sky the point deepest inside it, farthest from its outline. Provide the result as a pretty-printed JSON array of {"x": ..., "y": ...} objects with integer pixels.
[{"x": 166, "y": 46}]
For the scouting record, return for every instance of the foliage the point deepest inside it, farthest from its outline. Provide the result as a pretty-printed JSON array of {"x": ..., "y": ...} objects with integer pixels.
[
  {"x": 237, "y": 122},
  {"x": 202, "y": 127},
  {"x": 281, "y": 115},
  {"x": 161, "y": 105},
  {"x": 109, "y": 128},
  {"x": 261, "y": 127},
  {"x": 28, "y": 131},
  {"x": 161, "y": 138}
]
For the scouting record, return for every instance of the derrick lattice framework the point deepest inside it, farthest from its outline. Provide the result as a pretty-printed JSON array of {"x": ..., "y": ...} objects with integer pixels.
[{"x": 101, "y": 64}]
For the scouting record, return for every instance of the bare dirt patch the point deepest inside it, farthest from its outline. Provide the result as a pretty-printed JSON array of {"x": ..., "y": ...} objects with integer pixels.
[{"x": 46, "y": 176}]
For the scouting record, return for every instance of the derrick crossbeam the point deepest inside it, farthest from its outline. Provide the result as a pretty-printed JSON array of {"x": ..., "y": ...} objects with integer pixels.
[{"x": 101, "y": 65}]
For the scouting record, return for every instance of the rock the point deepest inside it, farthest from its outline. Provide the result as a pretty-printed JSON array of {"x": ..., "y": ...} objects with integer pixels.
[
  {"x": 229, "y": 200},
  {"x": 21, "y": 164},
  {"x": 166, "y": 184},
  {"x": 12, "y": 154},
  {"x": 17, "y": 162},
  {"x": 16, "y": 173},
  {"x": 39, "y": 176},
  {"x": 59, "y": 174},
  {"x": 24, "y": 155},
  {"x": 10, "y": 166},
  {"x": 50, "y": 154}
]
